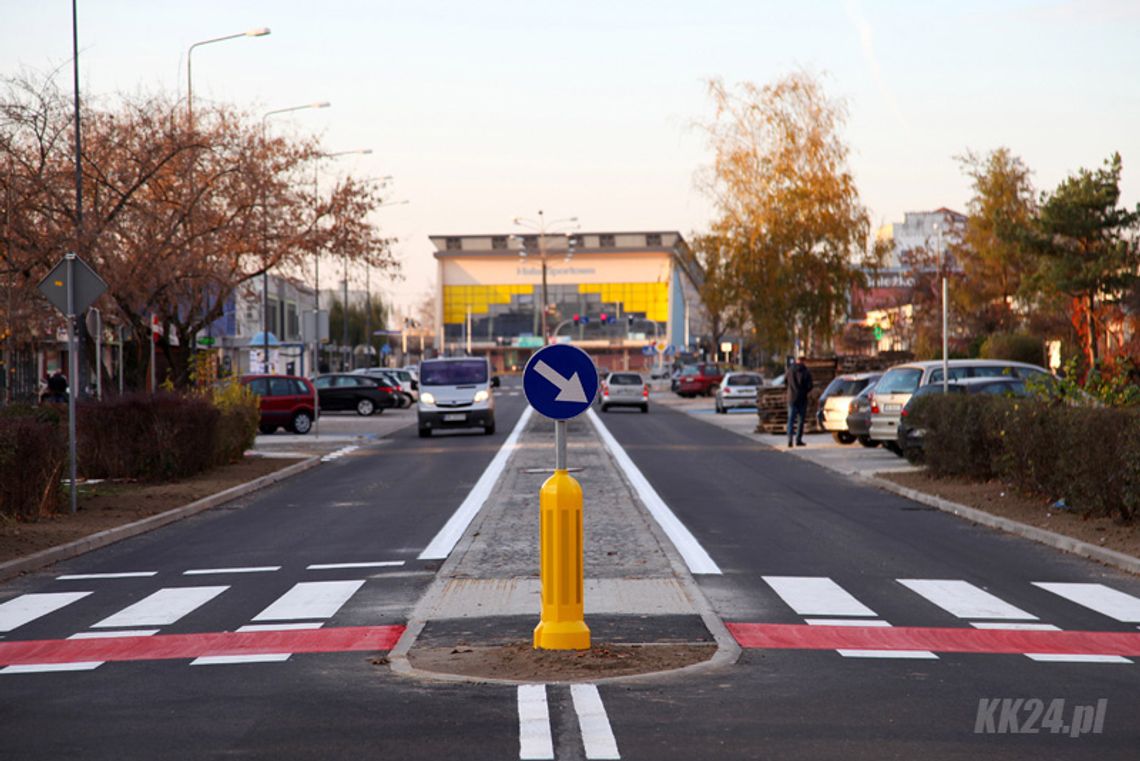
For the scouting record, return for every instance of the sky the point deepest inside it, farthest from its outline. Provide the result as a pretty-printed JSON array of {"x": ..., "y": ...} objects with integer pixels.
[{"x": 486, "y": 110}]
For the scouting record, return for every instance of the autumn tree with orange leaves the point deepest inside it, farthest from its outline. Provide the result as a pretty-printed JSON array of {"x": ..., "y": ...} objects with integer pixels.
[{"x": 177, "y": 216}]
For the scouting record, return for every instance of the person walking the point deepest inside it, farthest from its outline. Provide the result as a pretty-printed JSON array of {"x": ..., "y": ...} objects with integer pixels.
[{"x": 799, "y": 384}]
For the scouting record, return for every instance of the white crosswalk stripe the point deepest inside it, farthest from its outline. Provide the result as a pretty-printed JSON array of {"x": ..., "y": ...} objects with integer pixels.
[
  {"x": 310, "y": 599},
  {"x": 536, "y": 739},
  {"x": 965, "y": 600},
  {"x": 1104, "y": 600},
  {"x": 27, "y": 608},
  {"x": 162, "y": 608}
]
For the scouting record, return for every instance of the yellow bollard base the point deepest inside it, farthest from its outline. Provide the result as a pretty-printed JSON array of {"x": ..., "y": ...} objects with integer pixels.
[{"x": 562, "y": 635}]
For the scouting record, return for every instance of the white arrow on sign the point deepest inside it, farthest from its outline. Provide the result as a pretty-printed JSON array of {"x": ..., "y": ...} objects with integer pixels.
[{"x": 568, "y": 390}]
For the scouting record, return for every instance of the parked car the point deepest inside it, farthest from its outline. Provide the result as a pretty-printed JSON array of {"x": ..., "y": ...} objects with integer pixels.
[
  {"x": 899, "y": 382},
  {"x": 699, "y": 380},
  {"x": 737, "y": 390},
  {"x": 910, "y": 437},
  {"x": 835, "y": 403},
  {"x": 456, "y": 392},
  {"x": 286, "y": 400},
  {"x": 859, "y": 416},
  {"x": 366, "y": 394},
  {"x": 405, "y": 391},
  {"x": 624, "y": 390}
]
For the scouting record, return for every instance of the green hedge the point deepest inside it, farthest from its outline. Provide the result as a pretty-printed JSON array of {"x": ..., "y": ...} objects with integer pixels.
[{"x": 1087, "y": 456}]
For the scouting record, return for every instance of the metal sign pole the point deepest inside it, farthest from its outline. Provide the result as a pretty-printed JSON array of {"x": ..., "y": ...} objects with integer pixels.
[
  {"x": 73, "y": 371},
  {"x": 560, "y": 445}
]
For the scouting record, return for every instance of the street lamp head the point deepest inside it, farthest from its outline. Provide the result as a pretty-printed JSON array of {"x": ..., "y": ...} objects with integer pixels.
[
  {"x": 259, "y": 32},
  {"x": 320, "y": 104}
]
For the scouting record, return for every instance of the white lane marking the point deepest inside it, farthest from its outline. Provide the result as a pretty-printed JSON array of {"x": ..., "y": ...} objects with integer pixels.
[
  {"x": 694, "y": 555},
  {"x": 279, "y": 627},
  {"x": 162, "y": 608},
  {"x": 310, "y": 599},
  {"x": 816, "y": 596},
  {"x": 119, "y": 633},
  {"x": 335, "y": 566},
  {"x": 444, "y": 541},
  {"x": 1051, "y": 657},
  {"x": 597, "y": 736},
  {"x": 845, "y": 622},
  {"x": 251, "y": 569},
  {"x": 37, "y": 668},
  {"x": 535, "y": 740},
  {"x": 915, "y": 654},
  {"x": 1105, "y": 600},
  {"x": 963, "y": 599},
  {"x": 339, "y": 453},
  {"x": 27, "y": 608},
  {"x": 227, "y": 660},
  {"x": 85, "y": 576}
]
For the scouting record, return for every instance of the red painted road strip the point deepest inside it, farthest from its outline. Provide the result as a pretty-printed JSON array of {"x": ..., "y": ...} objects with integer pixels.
[
  {"x": 803, "y": 637},
  {"x": 167, "y": 646}
]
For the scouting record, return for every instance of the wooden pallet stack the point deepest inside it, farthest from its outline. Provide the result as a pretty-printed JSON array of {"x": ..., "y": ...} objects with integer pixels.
[{"x": 772, "y": 402}]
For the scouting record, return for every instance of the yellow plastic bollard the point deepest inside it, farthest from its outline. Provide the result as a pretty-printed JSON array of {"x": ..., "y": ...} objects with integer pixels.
[{"x": 563, "y": 626}]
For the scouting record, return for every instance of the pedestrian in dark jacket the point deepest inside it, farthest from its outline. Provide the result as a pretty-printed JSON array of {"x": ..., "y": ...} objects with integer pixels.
[{"x": 799, "y": 383}]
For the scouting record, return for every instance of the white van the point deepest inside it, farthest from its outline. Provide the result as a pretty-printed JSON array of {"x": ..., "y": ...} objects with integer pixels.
[
  {"x": 899, "y": 382},
  {"x": 456, "y": 392}
]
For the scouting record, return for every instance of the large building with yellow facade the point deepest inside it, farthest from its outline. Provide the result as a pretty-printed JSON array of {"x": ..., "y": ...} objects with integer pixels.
[{"x": 490, "y": 295}]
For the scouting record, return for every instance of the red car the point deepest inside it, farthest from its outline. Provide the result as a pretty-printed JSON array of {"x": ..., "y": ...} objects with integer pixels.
[
  {"x": 286, "y": 400},
  {"x": 699, "y": 380}
]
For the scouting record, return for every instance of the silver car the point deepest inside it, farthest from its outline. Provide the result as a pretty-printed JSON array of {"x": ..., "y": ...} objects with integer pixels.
[
  {"x": 737, "y": 390},
  {"x": 898, "y": 383},
  {"x": 624, "y": 390}
]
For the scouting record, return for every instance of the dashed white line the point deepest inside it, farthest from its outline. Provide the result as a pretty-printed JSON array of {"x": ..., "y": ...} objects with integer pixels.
[
  {"x": 336, "y": 566},
  {"x": 535, "y": 740},
  {"x": 252, "y": 569},
  {"x": 86, "y": 576}
]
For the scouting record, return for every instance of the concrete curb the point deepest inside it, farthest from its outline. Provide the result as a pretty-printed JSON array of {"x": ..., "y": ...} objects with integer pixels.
[
  {"x": 110, "y": 536},
  {"x": 1058, "y": 541}
]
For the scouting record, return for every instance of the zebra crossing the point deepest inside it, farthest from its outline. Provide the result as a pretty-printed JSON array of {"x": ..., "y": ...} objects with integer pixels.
[
  {"x": 823, "y": 602},
  {"x": 303, "y": 606}
]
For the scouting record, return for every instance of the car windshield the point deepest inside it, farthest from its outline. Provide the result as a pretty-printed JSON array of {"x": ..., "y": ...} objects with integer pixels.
[
  {"x": 625, "y": 379},
  {"x": 744, "y": 380},
  {"x": 900, "y": 380},
  {"x": 845, "y": 387},
  {"x": 454, "y": 372}
]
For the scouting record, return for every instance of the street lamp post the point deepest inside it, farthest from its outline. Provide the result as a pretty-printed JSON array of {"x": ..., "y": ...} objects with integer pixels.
[
  {"x": 945, "y": 337},
  {"x": 265, "y": 227},
  {"x": 543, "y": 229},
  {"x": 317, "y": 258},
  {"x": 260, "y": 32}
]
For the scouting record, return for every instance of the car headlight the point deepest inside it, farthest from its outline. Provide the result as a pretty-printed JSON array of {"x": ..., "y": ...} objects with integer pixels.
[
  {"x": 427, "y": 398},
  {"x": 481, "y": 395}
]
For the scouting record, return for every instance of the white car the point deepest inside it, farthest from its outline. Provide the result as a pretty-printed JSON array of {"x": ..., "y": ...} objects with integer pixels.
[{"x": 737, "y": 390}]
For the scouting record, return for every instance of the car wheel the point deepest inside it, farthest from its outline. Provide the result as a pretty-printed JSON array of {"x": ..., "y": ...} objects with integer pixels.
[
  {"x": 842, "y": 437},
  {"x": 893, "y": 447},
  {"x": 365, "y": 407},
  {"x": 489, "y": 428},
  {"x": 605, "y": 408},
  {"x": 644, "y": 408},
  {"x": 267, "y": 429},
  {"x": 425, "y": 433},
  {"x": 302, "y": 422},
  {"x": 868, "y": 442}
]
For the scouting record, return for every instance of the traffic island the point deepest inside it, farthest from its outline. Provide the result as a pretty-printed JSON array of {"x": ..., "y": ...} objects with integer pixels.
[{"x": 498, "y": 649}]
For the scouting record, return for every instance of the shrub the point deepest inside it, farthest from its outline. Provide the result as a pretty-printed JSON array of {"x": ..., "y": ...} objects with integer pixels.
[
  {"x": 962, "y": 436},
  {"x": 33, "y": 453},
  {"x": 152, "y": 437},
  {"x": 240, "y": 415},
  {"x": 1016, "y": 347}
]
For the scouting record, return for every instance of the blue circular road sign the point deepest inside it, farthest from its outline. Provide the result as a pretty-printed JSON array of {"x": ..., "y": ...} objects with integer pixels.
[{"x": 560, "y": 381}]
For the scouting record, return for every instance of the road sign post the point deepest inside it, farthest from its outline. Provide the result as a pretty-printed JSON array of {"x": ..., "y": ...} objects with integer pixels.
[
  {"x": 72, "y": 287},
  {"x": 560, "y": 382}
]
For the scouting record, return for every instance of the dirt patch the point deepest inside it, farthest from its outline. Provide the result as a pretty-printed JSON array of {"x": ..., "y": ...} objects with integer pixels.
[
  {"x": 520, "y": 662},
  {"x": 997, "y": 498},
  {"x": 109, "y": 504}
]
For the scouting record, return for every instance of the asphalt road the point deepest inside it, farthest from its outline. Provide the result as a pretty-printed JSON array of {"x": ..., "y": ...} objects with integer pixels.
[{"x": 332, "y": 553}]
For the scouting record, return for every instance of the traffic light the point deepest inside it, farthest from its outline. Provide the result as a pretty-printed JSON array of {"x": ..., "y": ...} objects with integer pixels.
[
  {"x": 577, "y": 318},
  {"x": 605, "y": 318}
]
